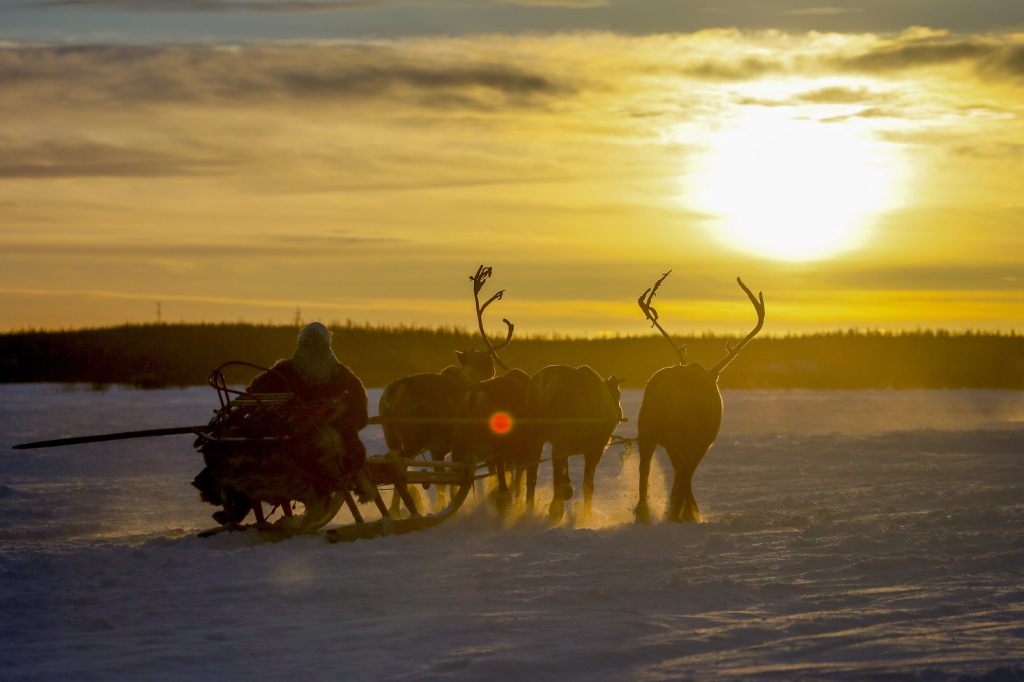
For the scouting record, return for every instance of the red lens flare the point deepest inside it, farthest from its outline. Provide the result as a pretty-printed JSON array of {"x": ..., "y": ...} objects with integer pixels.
[{"x": 501, "y": 423}]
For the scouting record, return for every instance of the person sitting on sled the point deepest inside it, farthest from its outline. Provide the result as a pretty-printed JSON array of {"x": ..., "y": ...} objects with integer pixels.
[{"x": 314, "y": 373}]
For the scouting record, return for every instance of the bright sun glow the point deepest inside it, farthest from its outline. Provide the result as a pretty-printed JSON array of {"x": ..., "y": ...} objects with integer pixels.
[{"x": 794, "y": 188}]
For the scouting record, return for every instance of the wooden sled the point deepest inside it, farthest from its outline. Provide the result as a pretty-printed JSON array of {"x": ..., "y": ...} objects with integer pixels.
[{"x": 275, "y": 451}]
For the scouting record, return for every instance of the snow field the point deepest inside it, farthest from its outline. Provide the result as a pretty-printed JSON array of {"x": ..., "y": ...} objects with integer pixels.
[{"x": 848, "y": 535}]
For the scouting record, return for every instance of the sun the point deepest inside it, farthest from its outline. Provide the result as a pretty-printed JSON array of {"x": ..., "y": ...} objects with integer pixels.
[{"x": 793, "y": 188}]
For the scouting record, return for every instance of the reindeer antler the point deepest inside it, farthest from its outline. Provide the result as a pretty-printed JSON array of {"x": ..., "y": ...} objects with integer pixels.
[
  {"x": 645, "y": 305},
  {"x": 479, "y": 279},
  {"x": 733, "y": 349}
]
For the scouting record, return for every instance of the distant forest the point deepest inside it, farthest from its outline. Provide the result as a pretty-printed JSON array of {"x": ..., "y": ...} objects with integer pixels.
[{"x": 157, "y": 355}]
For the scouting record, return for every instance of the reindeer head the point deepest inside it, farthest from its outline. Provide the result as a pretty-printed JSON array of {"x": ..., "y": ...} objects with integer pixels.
[
  {"x": 613, "y": 384},
  {"x": 477, "y": 365}
]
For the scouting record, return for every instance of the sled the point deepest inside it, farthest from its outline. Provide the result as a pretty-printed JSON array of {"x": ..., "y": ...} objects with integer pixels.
[
  {"x": 280, "y": 453},
  {"x": 279, "y": 457}
]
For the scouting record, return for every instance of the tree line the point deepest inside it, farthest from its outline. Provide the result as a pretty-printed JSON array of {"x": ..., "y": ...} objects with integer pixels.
[{"x": 157, "y": 355}]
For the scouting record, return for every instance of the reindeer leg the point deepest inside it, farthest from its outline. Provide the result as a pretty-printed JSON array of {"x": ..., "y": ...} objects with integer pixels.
[
  {"x": 440, "y": 491},
  {"x": 567, "y": 489},
  {"x": 527, "y": 467},
  {"x": 675, "y": 505},
  {"x": 690, "y": 511},
  {"x": 643, "y": 511},
  {"x": 561, "y": 486},
  {"x": 678, "y": 496},
  {"x": 591, "y": 460},
  {"x": 502, "y": 496},
  {"x": 531, "y": 484},
  {"x": 395, "y": 508}
]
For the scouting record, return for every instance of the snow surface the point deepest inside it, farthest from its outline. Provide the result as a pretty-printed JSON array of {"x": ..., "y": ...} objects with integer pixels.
[{"x": 848, "y": 535}]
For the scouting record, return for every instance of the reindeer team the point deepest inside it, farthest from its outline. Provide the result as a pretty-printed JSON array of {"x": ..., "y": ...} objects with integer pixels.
[{"x": 571, "y": 408}]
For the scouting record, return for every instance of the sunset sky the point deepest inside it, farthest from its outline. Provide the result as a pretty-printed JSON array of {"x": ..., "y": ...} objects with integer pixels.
[{"x": 861, "y": 162}]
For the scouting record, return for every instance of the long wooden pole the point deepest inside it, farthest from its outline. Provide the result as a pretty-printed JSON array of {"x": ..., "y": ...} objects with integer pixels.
[
  {"x": 122, "y": 435},
  {"x": 204, "y": 428},
  {"x": 485, "y": 420}
]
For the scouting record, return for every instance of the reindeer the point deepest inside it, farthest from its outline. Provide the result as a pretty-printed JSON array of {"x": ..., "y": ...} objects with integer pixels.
[
  {"x": 576, "y": 411},
  {"x": 489, "y": 411},
  {"x": 682, "y": 411},
  {"x": 437, "y": 395},
  {"x": 489, "y": 431},
  {"x": 430, "y": 395}
]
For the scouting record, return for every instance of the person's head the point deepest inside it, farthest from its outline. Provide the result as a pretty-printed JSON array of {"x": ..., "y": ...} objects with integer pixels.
[
  {"x": 314, "y": 337},
  {"x": 313, "y": 356}
]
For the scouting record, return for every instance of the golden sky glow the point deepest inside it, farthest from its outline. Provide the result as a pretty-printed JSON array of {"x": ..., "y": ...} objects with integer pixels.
[
  {"x": 859, "y": 179},
  {"x": 793, "y": 187}
]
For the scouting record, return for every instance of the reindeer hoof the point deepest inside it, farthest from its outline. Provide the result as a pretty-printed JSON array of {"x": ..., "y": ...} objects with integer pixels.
[
  {"x": 642, "y": 513},
  {"x": 556, "y": 510},
  {"x": 677, "y": 512},
  {"x": 502, "y": 502}
]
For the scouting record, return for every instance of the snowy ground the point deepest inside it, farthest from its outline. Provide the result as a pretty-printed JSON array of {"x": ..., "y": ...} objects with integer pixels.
[{"x": 849, "y": 535}]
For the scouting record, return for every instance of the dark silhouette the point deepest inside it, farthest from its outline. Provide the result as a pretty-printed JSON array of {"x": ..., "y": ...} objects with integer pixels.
[
  {"x": 313, "y": 375},
  {"x": 487, "y": 412},
  {"x": 682, "y": 411},
  {"x": 488, "y": 432},
  {"x": 280, "y": 442},
  {"x": 437, "y": 395},
  {"x": 430, "y": 395},
  {"x": 576, "y": 411}
]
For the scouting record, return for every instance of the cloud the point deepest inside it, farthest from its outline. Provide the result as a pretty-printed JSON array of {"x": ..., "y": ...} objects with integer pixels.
[
  {"x": 987, "y": 150},
  {"x": 1007, "y": 61},
  {"x": 874, "y": 104},
  {"x": 217, "y": 5},
  {"x": 281, "y": 6},
  {"x": 371, "y": 79},
  {"x": 991, "y": 58},
  {"x": 923, "y": 136},
  {"x": 202, "y": 74},
  {"x": 899, "y": 57},
  {"x": 91, "y": 159},
  {"x": 835, "y": 95},
  {"x": 822, "y": 11},
  {"x": 756, "y": 56},
  {"x": 869, "y": 112},
  {"x": 377, "y": 304},
  {"x": 475, "y": 75},
  {"x": 304, "y": 245},
  {"x": 746, "y": 68},
  {"x": 572, "y": 4}
]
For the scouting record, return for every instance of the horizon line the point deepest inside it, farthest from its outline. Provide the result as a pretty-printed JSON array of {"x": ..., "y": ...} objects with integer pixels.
[{"x": 336, "y": 325}]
